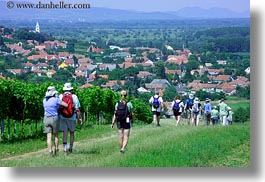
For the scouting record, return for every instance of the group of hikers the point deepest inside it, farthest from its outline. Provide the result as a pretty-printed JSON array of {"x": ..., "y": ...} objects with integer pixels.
[
  {"x": 62, "y": 112},
  {"x": 193, "y": 110}
]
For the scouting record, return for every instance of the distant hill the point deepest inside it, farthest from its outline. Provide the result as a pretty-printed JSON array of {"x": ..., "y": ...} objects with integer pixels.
[
  {"x": 196, "y": 12},
  {"x": 96, "y": 14}
]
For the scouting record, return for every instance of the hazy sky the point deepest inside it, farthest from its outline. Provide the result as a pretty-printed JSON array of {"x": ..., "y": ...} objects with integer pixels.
[{"x": 160, "y": 5}]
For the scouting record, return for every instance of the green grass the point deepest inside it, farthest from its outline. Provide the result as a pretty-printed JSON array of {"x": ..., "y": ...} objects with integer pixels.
[
  {"x": 150, "y": 146},
  {"x": 235, "y": 104}
]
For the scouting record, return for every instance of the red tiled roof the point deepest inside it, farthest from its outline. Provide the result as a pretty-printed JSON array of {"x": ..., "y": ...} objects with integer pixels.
[
  {"x": 221, "y": 78},
  {"x": 142, "y": 74},
  {"x": 177, "y": 59},
  {"x": 86, "y": 85}
]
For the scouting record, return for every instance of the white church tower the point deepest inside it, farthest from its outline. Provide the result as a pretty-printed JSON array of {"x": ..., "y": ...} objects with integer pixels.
[{"x": 37, "y": 29}]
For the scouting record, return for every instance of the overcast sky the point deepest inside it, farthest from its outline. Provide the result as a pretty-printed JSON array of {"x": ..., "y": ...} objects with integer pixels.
[{"x": 160, "y": 5}]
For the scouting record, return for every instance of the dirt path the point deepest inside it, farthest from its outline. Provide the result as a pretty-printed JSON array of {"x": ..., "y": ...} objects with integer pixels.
[{"x": 42, "y": 151}]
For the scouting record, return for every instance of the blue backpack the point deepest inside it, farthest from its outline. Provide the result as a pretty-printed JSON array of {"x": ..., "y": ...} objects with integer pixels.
[
  {"x": 156, "y": 103},
  {"x": 190, "y": 103},
  {"x": 176, "y": 106}
]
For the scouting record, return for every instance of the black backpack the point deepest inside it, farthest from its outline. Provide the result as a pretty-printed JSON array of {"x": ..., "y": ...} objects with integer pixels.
[
  {"x": 156, "y": 103},
  {"x": 122, "y": 111}
]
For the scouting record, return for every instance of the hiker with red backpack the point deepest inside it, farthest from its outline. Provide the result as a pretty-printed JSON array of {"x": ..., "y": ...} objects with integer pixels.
[
  {"x": 177, "y": 108},
  {"x": 123, "y": 114},
  {"x": 51, "y": 102},
  {"x": 156, "y": 102},
  {"x": 69, "y": 115}
]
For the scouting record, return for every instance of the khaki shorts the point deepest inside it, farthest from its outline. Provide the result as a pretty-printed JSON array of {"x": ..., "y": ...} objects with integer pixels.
[
  {"x": 51, "y": 124},
  {"x": 67, "y": 124}
]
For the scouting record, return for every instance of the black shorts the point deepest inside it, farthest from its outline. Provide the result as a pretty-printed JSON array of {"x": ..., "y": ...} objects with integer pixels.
[
  {"x": 123, "y": 125},
  {"x": 156, "y": 113},
  {"x": 176, "y": 113}
]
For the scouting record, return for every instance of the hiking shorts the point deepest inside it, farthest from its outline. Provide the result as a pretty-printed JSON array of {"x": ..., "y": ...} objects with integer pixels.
[
  {"x": 67, "y": 124},
  {"x": 195, "y": 114},
  {"x": 176, "y": 113},
  {"x": 123, "y": 125},
  {"x": 156, "y": 113},
  {"x": 51, "y": 124}
]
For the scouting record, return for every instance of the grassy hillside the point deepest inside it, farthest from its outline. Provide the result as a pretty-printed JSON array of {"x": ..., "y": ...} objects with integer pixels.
[{"x": 150, "y": 146}]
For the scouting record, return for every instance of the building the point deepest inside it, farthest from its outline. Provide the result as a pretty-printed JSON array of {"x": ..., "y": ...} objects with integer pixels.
[{"x": 37, "y": 28}]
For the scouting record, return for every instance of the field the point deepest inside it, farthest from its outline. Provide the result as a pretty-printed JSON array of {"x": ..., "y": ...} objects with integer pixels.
[{"x": 149, "y": 146}]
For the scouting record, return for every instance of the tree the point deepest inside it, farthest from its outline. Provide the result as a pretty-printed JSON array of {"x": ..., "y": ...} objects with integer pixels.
[
  {"x": 170, "y": 93},
  {"x": 160, "y": 70},
  {"x": 1, "y": 41}
]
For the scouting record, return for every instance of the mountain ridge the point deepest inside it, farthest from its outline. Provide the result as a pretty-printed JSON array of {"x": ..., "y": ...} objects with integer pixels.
[{"x": 107, "y": 14}]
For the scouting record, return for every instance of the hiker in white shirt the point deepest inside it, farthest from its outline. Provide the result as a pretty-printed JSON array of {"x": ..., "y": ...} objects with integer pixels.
[
  {"x": 177, "y": 108},
  {"x": 156, "y": 102}
]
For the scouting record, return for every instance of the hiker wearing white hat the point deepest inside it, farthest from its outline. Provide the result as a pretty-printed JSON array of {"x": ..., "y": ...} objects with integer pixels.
[
  {"x": 196, "y": 109},
  {"x": 214, "y": 115},
  {"x": 69, "y": 115},
  {"x": 229, "y": 115},
  {"x": 207, "y": 108},
  {"x": 51, "y": 102},
  {"x": 223, "y": 112}
]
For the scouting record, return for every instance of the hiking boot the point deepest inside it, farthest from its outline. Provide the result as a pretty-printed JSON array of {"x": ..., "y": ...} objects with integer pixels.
[
  {"x": 70, "y": 150},
  {"x": 122, "y": 151},
  {"x": 158, "y": 125},
  {"x": 56, "y": 152}
]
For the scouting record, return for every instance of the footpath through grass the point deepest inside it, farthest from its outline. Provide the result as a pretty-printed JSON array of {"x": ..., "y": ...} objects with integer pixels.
[{"x": 150, "y": 146}]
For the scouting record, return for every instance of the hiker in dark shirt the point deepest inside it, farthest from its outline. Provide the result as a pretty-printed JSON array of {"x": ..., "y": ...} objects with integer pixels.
[{"x": 123, "y": 114}]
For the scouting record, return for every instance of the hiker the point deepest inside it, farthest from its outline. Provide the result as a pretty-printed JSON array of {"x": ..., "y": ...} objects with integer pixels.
[
  {"x": 229, "y": 115},
  {"x": 124, "y": 115},
  {"x": 196, "y": 109},
  {"x": 214, "y": 115},
  {"x": 223, "y": 112},
  {"x": 51, "y": 104},
  {"x": 177, "y": 108},
  {"x": 207, "y": 108},
  {"x": 188, "y": 106},
  {"x": 69, "y": 116},
  {"x": 156, "y": 102}
]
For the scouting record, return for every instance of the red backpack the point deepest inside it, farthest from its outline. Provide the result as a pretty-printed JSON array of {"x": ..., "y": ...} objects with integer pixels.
[{"x": 67, "y": 112}]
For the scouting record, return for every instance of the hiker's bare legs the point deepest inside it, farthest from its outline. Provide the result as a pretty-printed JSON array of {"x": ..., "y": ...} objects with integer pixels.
[
  {"x": 158, "y": 120},
  {"x": 65, "y": 140},
  {"x": 155, "y": 119},
  {"x": 126, "y": 133},
  {"x": 56, "y": 141},
  {"x": 72, "y": 137},
  {"x": 121, "y": 138},
  {"x": 49, "y": 141}
]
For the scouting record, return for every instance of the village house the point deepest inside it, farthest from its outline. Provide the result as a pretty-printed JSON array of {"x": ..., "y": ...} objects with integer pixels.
[
  {"x": 50, "y": 73},
  {"x": 221, "y": 62},
  {"x": 226, "y": 88},
  {"x": 221, "y": 78},
  {"x": 111, "y": 84},
  {"x": 109, "y": 67},
  {"x": 177, "y": 59},
  {"x": 144, "y": 74},
  {"x": 64, "y": 55},
  {"x": 91, "y": 48},
  {"x": 157, "y": 84},
  {"x": 82, "y": 69},
  {"x": 15, "y": 71},
  {"x": 29, "y": 66}
]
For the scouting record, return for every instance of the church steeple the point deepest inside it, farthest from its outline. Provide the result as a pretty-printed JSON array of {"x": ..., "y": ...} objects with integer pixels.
[{"x": 37, "y": 30}]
